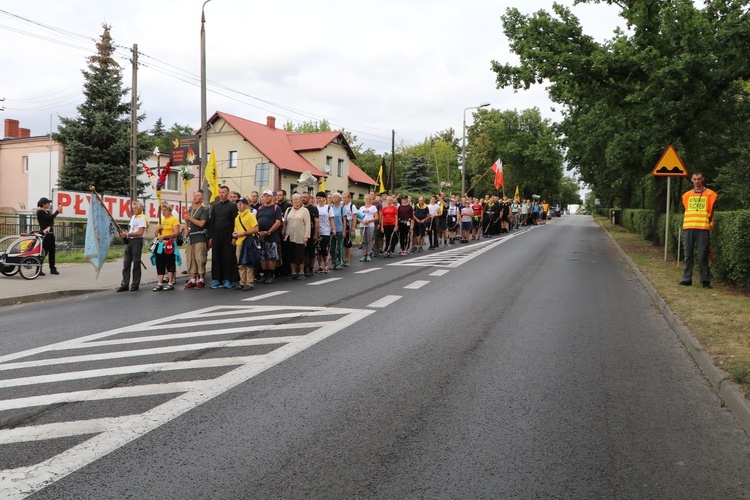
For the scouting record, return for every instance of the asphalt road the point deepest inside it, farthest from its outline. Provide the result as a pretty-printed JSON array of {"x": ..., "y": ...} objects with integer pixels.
[{"x": 531, "y": 366}]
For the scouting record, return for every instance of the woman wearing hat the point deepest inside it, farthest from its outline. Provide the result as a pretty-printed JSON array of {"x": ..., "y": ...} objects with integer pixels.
[{"x": 46, "y": 221}]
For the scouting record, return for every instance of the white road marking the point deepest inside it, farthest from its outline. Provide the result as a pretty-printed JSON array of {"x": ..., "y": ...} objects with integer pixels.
[
  {"x": 265, "y": 296},
  {"x": 416, "y": 285},
  {"x": 385, "y": 301},
  {"x": 112, "y": 433},
  {"x": 368, "y": 270},
  {"x": 323, "y": 282},
  {"x": 455, "y": 256},
  {"x": 439, "y": 272}
]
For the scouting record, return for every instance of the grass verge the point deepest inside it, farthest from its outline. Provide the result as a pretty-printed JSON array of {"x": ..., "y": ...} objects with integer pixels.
[
  {"x": 719, "y": 318},
  {"x": 76, "y": 256}
]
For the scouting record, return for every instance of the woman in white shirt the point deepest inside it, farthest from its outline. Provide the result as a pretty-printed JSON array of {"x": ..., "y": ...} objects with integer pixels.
[{"x": 369, "y": 214}]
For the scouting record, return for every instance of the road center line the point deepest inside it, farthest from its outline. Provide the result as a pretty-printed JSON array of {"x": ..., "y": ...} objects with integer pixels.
[
  {"x": 265, "y": 296},
  {"x": 385, "y": 301},
  {"x": 416, "y": 285},
  {"x": 440, "y": 272},
  {"x": 368, "y": 270},
  {"x": 323, "y": 282}
]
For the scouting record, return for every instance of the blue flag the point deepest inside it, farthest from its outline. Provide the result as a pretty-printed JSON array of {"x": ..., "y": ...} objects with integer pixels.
[{"x": 99, "y": 234}]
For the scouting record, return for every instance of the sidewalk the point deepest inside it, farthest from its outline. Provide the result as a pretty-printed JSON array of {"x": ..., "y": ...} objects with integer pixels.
[{"x": 74, "y": 279}]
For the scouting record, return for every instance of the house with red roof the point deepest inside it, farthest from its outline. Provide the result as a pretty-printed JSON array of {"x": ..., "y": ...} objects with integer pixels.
[{"x": 252, "y": 156}]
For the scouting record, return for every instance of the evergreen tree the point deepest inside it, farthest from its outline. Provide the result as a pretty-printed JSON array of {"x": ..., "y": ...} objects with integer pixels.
[
  {"x": 97, "y": 142},
  {"x": 417, "y": 177}
]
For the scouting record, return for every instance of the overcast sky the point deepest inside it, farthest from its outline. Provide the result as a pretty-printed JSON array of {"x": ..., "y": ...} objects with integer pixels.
[{"x": 368, "y": 66}]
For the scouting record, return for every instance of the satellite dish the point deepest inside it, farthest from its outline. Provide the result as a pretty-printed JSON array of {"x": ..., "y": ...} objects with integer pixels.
[{"x": 306, "y": 179}]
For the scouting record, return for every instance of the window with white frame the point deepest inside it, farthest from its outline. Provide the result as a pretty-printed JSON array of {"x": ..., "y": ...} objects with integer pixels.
[
  {"x": 173, "y": 181},
  {"x": 329, "y": 164},
  {"x": 341, "y": 168},
  {"x": 232, "y": 162},
  {"x": 25, "y": 164}
]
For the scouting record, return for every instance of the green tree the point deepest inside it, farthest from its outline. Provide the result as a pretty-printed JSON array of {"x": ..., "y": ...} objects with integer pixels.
[
  {"x": 673, "y": 78},
  {"x": 526, "y": 144},
  {"x": 417, "y": 177},
  {"x": 97, "y": 142},
  {"x": 161, "y": 138},
  {"x": 307, "y": 127}
]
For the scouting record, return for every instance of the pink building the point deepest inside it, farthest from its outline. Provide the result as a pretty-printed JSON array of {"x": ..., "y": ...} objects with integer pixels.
[{"x": 29, "y": 168}]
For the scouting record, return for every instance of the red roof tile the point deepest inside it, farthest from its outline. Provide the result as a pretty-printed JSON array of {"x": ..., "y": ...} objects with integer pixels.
[
  {"x": 273, "y": 143},
  {"x": 356, "y": 174}
]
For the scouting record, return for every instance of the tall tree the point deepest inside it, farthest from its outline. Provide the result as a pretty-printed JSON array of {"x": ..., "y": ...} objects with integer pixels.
[
  {"x": 526, "y": 144},
  {"x": 417, "y": 177},
  {"x": 97, "y": 142},
  {"x": 323, "y": 126},
  {"x": 672, "y": 78}
]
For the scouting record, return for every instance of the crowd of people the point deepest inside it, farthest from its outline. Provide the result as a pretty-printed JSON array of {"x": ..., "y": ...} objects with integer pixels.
[{"x": 295, "y": 238}]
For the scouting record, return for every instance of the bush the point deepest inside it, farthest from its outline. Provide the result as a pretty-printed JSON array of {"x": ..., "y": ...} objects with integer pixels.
[{"x": 730, "y": 239}]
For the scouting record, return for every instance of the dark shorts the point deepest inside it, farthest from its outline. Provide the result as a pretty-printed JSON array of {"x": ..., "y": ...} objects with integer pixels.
[
  {"x": 443, "y": 223},
  {"x": 325, "y": 243},
  {"x": 310, "y": 249},
  {"x": 476, "y": 222},
  {"x": 466, "y": 226},
  {"x": 420, "y": 229},
  {"x": 269, "y": 251}
]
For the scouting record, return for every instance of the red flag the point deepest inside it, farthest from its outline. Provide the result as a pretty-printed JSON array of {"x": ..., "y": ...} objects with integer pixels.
[
  {"x": 497, "y": 167},
  {"x": 148, "y": 171}
]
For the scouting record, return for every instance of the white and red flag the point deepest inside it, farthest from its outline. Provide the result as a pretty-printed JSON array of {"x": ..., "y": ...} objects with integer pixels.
[{"x": 497, "y": 167}]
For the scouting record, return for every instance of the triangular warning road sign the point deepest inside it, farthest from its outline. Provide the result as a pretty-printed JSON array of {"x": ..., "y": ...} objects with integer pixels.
[{"x": 670, "y": 165}]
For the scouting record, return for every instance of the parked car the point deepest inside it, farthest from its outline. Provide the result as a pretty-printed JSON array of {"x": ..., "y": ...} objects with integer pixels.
[{"x": 556, "y": 211}]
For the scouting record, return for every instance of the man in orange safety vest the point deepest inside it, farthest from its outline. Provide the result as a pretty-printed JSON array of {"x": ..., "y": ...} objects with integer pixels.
[{"x": 699, "y": 203}]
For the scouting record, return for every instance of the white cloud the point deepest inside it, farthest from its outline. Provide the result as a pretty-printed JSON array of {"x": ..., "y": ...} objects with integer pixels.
[{"x": 369, "y": 66}]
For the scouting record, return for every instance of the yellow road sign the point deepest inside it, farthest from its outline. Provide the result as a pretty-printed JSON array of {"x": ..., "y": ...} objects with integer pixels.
[{"x": 670, "y": 165}]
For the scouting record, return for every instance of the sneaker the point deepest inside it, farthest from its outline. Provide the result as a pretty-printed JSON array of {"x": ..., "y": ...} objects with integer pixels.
[
  {"x": 685, "y": 283},
  {"x": 420, "y": 249},
  {"x": 363, "y": 259},
  {"x": 308, "y": 272},
  {"x": 346, "y": 263},
  {"x": 237, "y": 287},
  {"x": 216, "y": 284},
  {"x": 368, "y": 259},
  {"x": 133, "y": 288},
  {"x": 227, "y": 284},
  {"x": 41, "y": 273},
  {"x": 123, "y": 288},
  {"x": 319, "y": 270},
  {"x": 189, "y": 285},
  {"x": 706, "y": 284},
  {"x": 53, "y": 271},
  {"x": 200, "y": 284},
  {"x": 169, "y": 287},
  {"x": 268, "y": 280},
  {"x": 326, "y": 270},
  {"x": 248, "y": 288},
  {"x": 157, "y": 288},
  {"x": 300, "y": 277},
  {"x": 337, "y": 267}
]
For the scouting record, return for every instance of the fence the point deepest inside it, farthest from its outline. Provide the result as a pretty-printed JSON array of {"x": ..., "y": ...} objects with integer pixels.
[{"x": 68, "y": 233}]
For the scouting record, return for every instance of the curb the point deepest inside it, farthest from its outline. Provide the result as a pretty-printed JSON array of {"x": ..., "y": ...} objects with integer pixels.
[
  {"x": 730, "y": 392},
  {"x": 38, "y": 297}
]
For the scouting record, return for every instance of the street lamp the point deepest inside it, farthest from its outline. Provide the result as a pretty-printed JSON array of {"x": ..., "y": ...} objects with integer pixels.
[
  {"x": 463, "y": 149},
  {"x": 204, "y": 118}
]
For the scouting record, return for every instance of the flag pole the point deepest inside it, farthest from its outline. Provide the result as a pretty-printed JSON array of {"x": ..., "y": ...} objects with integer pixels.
[{"x": 479, "y": 179}]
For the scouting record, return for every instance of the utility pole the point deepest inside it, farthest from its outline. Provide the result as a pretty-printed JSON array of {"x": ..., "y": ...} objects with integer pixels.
[
  {"x": 204, "y": 112},
  {"x": 134, "y": 129},
  {"x": 393, "y": 162}
]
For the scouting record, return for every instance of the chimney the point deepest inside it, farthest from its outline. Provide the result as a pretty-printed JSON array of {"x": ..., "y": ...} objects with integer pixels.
[
  {"x": 11, "y": 129},
  {"x": 270, "y": 122},
  {"x": 24, "y": 133}
]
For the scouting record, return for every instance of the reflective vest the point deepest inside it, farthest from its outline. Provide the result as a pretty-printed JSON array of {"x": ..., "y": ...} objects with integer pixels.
[{"x": 699, "y": 209}]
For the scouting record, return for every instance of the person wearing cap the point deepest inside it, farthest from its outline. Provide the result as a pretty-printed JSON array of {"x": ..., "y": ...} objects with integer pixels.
[
  {"x": 245, "y": 224},
  {"x": 269, "y": 228},
  {"x": 46, "y": 222}
]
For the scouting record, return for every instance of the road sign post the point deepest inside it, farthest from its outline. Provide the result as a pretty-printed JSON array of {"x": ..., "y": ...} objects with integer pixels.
[{"x": 669, "y": 166}]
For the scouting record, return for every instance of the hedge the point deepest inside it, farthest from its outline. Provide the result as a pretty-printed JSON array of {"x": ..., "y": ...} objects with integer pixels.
[{"x": 730, "y": 239}]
